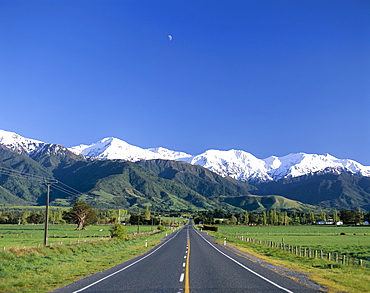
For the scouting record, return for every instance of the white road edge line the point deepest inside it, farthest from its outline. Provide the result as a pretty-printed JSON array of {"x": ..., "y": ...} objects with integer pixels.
[
  {"x": 243, "y": 266},
  {"x": 116, "y": 272}
]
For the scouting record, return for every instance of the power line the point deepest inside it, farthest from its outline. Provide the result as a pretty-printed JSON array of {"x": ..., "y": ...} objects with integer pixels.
[
  {"x": 64, "y": 188},
  {"x": 13, "y": 172}
]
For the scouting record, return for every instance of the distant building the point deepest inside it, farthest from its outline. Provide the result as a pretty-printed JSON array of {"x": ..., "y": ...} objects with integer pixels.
[{"x": 325, "y": 223}]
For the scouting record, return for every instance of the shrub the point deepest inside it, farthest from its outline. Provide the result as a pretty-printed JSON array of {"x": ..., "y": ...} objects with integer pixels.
[
  {"x": 118, "y": 231},
  {"x": 210, "y": 228}
]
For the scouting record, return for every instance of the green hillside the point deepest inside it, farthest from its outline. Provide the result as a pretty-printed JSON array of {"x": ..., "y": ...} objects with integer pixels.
[
  {"x": 163, "y": 184},
  {"x": 344, "y": 191},
  {"x": 19, "y": 189}
]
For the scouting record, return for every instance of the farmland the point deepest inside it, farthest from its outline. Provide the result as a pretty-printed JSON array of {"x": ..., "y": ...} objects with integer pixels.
[
  {"x": 355, "y": 242},
  {"x": 32, "y": 235}
]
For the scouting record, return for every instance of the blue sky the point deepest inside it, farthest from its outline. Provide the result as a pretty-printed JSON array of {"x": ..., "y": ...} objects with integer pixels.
[{"x": 270, "y": 77}]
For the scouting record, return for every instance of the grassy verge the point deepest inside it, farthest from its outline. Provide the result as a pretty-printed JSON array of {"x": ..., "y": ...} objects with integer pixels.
[
  {"x": 336, "y": 278},
  {"x": 47, "y": 268}
]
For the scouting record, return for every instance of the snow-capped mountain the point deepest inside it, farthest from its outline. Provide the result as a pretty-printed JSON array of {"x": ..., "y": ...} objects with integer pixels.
[
  {"x": 167, "y": 154},
  {"x": 294, "y": 165},
  {"x": 19, "y": 144},
  {"x": 237, "y": 164},
  {"x": 243, "y": 166},
  {"x": 115, "y": 149}
]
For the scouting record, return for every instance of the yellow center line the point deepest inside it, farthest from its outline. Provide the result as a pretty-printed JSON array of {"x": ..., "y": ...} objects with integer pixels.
[{"x": 187, "y": 287}]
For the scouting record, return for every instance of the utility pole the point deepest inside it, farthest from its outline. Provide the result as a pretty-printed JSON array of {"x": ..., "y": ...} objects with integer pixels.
[
  {"x": 138, "y": 221},
  {"x": 48, "y": 183}
]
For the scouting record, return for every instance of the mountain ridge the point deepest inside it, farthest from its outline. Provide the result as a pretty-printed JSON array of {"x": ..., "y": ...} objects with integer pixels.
[
  {"x": 176, "y": 184},
  {"x": 237, "y": 164}
]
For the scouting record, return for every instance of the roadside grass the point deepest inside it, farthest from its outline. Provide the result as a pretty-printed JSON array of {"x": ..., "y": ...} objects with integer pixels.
[
  {"x": 33, "y": 235},
  {"x": 333, "y": 276},
  {"x": 43, "y": 269}
]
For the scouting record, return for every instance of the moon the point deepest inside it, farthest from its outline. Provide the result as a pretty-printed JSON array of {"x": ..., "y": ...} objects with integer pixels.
[{"x": 170, "y": 38}]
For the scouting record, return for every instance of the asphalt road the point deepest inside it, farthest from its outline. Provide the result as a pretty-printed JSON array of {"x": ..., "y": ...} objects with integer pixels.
[{"x": 187, "y": 261}]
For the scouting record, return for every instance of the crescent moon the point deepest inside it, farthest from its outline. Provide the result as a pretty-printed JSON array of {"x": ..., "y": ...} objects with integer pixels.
[{"x": 170, "y": 37}]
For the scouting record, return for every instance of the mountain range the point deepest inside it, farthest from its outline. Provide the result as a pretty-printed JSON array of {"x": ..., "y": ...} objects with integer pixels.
[{"x": 177, "y": 180}]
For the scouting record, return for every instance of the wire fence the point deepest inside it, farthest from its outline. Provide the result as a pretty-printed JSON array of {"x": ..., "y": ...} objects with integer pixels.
[{"x": 332, "y": 257}]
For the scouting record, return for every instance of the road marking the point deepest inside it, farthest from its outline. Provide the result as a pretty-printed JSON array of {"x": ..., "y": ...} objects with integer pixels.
[
  {"x": 182, "y": 277},
  {"x": 243, "y": 266},
  {"x": 130, "y": 265},
  {"x": 187, "y": 286},
  {"x": 183, "y": 265}
]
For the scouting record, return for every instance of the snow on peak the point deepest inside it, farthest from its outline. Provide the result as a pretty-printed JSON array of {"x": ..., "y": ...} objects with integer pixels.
[
  {"x": 167, "y": 154},
  {"x": 298, "y": 164},
  {"x": 244, "y": 166},
  {"x": 115, "y": 149},
  {"x": 237, "y": 164},
  {"x": 19, "y": 144}
]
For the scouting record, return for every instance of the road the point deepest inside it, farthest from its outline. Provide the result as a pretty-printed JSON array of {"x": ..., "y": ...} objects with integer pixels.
[{"x": 187, "y": 261}]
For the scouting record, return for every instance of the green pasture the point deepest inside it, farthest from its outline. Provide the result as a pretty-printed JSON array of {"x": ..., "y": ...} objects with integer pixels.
[
  {"x": 174, "y": 220},
  {"x": 42, "y": 269},
  {"x": 33, "y": 235},
  {"x": 355, "y": 242}
]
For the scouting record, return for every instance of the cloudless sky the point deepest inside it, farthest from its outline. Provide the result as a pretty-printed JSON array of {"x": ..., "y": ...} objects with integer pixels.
[{"x": 270, "y": 77}]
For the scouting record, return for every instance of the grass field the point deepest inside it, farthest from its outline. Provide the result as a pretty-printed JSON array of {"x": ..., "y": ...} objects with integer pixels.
[
  {"x": 355, "y": 242},
  {"x": 33, "y": 235},
  {"x": 42, "y": 269}
]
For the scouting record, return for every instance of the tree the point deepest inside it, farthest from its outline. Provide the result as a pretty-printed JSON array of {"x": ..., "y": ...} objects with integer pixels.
[
  {"x": 56, "y": 216},
  {"x": 25, "y": 215},
  {"x": 36, "y": 218},
  {"x": 323, "y": 215},
  {"x": 284, "y": 218},
  {"x": 147, "y": 214},
  {"x": 264, "y": 218},
  {"x": 351, "y": 217},
  {"x": 118, "y": 231},
  {"x": 335, "y": 216},
  {"x": 233, "y": 220},
  {"x": 246, "y": 217},
  {"x": 82, "y": 214},
  {"x": 311, "y": 216}
]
